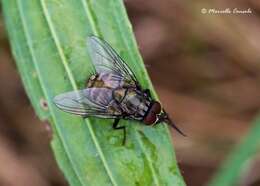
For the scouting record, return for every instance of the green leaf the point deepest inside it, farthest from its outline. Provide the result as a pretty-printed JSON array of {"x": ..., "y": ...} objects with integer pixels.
[
  {"x": 239, "y": 158},
  {"x": 48, "y": 39}
]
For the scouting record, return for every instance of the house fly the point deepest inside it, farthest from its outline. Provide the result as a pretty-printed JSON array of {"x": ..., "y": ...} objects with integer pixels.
[{"x": 113, "y": 92}]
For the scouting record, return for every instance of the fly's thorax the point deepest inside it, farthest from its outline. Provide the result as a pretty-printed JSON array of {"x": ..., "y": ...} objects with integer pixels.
[
  {"x": 135, "y": 104},
  {"x": 128, "y": 83},
  {"x": 113, "y": 108}
]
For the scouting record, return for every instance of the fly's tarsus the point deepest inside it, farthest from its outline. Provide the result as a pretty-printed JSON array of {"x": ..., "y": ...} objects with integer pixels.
[{"x": 116, "y": 127}]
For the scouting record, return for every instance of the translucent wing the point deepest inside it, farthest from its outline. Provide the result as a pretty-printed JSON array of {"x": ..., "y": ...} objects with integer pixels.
[
  {"x": 88, "y": 102},
  {"x": 110, "y": 80},
  {"x": 106, "y": 60}
]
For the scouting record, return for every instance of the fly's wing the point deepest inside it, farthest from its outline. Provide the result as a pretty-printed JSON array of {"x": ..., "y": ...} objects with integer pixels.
[
  {"x": 107, "y": 61},
  {"x": 87, "y": 102}
]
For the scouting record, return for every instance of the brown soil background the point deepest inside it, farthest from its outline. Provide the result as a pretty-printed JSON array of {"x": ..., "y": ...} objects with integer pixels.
[{"x": 204, "y": 68}]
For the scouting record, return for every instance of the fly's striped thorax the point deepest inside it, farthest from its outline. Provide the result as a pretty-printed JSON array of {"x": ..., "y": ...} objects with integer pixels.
[{"x": 132, "y": 102}]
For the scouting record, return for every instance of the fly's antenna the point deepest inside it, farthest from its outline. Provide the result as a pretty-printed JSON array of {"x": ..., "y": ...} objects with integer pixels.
[
  {"x": 173, "y": 125},
  {"x": 165, "y": 118}
]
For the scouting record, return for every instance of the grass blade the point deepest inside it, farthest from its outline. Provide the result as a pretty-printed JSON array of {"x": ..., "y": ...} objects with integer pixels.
[{"x": 233, "y": 166}]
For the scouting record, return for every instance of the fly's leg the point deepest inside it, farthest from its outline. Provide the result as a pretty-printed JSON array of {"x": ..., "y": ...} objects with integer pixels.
[{"x": 116, "y": 127}]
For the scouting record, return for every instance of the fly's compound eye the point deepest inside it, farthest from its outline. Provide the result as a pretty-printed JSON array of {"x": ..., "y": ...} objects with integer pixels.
[
  {"x": 156, "y": 108},
  {"x": 150, "y": 118}
]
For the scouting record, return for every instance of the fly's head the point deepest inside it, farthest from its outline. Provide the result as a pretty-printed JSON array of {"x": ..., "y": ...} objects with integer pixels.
[
  {"x": 158, "y": 115},
  {"x": 153, "y": 114}
]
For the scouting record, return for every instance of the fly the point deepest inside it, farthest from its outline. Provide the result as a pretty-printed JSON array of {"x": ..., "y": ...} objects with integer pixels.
[{"x": 113, "y": 92}]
